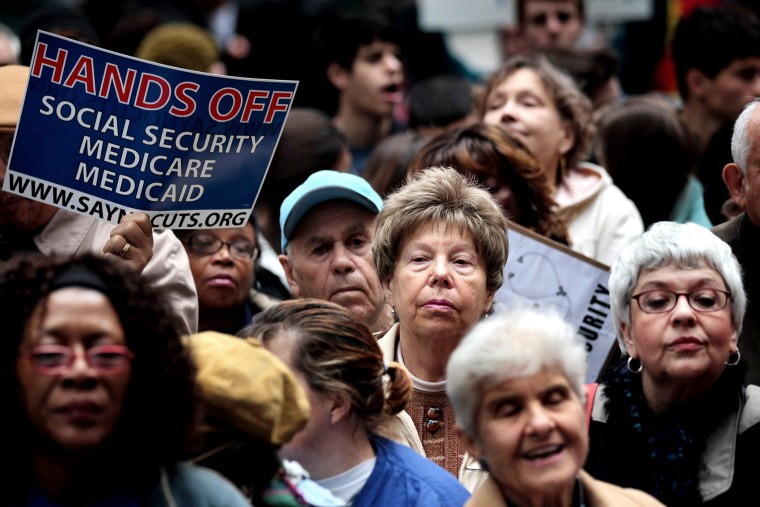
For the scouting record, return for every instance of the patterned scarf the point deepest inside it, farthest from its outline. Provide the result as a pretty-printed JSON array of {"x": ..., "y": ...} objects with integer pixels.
[{"x": 661, "y": 453}]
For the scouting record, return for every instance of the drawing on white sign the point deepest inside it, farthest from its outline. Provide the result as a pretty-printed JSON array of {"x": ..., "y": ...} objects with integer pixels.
[
  {"x": 544, "y": 274},
  {"x": 548, "y": 294}
]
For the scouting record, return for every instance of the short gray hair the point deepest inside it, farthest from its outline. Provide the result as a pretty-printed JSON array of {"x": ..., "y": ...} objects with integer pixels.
[
  {"x": 442, "y": 194},
  {"x": 685, "y": 245},
  {"x": 516, "y": 343},
  {"x": 741, "y": 140}
]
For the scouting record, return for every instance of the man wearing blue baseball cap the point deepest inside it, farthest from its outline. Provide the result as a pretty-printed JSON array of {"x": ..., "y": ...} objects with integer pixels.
[{"x": 328, "y": 224}]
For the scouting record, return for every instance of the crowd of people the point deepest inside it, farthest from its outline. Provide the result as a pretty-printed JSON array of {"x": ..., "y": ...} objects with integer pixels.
[{"x": 343, "y": 345}]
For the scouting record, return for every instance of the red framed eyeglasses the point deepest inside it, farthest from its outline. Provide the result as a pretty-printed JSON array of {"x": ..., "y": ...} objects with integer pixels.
[{"x": 57, "y": 359}]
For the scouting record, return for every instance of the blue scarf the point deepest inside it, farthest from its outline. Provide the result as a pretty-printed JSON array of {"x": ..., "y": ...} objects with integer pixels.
[{"x": 662, "y": 453}]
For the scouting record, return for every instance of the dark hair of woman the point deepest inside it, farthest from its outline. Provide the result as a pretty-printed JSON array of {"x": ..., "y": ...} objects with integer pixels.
[
  {"x": 157, "y": 424},
  {"x": 644, "y": 148}
]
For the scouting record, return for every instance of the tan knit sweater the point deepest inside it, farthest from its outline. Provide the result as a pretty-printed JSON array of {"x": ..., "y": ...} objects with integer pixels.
[{"x": 443, "y": 446}]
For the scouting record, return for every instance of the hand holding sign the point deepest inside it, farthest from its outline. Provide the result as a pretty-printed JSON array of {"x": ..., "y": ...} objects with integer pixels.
[{"x": 132, "y": 240}]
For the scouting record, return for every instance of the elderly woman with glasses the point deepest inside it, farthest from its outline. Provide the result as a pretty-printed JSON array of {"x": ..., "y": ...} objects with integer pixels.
[
  {"x": 223, "y": 262},
  {"x": 100, "y": 394},
  {"x": 671, "y": 417}
]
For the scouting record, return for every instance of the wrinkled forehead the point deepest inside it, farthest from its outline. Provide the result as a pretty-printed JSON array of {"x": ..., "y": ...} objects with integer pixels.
[
  {"x": 335, "y": 217},
  {"x": 453, "y": 230}
]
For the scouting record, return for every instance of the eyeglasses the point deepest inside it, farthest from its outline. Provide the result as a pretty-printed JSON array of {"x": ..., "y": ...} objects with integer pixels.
[
  {"x": 57, "y": 359},
  {"x": 701, "y": 300},
  {"x": 206, "y": 244}
]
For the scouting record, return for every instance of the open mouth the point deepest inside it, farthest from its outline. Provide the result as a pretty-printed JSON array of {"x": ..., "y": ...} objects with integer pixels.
[
  {"x": 543, "y": 453},
  {"x": 393, "y": 92},
  {"x": 393, "y": 88}
]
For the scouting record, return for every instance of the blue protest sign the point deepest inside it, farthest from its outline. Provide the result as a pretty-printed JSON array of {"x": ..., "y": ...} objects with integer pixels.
[{"x": 105, "y": 134}]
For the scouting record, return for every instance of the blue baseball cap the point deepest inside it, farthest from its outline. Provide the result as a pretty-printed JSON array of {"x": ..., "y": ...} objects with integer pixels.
[{"x": 324, "y": 186}]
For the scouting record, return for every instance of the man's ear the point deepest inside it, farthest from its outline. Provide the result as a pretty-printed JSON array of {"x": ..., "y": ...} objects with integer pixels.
[
  {"x": 733, "y": 177},
  {"x": 338, "y": 76},
  {"x": 287, "y": 266}
]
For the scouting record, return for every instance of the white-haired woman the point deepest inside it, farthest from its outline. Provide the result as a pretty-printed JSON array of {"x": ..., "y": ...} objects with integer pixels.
[
  {"x": 671, "y": 417},
  {"x": 516, "y": 383}
]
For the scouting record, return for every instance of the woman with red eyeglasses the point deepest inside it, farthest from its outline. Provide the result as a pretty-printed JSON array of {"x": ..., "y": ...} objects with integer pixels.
[
  {"x": 100, "y": 393},
  {"x": 671, "y": 417}
]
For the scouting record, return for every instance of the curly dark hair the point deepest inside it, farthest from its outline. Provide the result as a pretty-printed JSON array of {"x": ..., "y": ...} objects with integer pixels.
[
  {"x": 710, "y": 38},
  {"x": 159, "y": 417}
]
